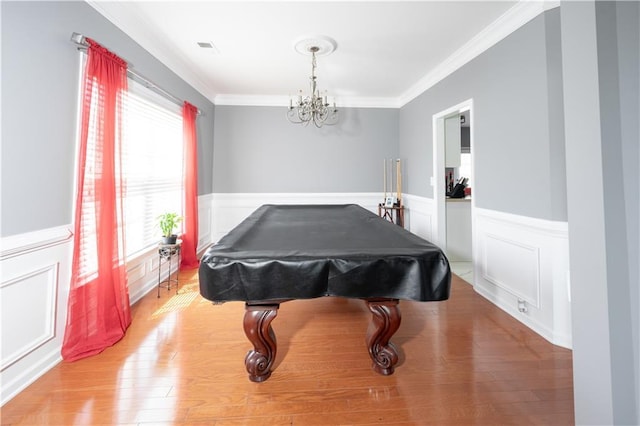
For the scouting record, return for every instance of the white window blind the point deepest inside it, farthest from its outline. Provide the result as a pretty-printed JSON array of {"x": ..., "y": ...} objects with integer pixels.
[
  {"x": 151, "y": 169},
  {"x": 152, "y": 165},
  {"x": 88, "y": 257}
]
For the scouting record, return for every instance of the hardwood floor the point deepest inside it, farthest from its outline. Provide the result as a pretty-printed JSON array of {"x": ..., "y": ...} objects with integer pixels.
[{"x": 462, "y": 361}]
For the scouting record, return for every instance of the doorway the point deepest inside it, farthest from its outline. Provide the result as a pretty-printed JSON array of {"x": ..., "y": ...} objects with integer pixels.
[{"x": 453, "y": 163}]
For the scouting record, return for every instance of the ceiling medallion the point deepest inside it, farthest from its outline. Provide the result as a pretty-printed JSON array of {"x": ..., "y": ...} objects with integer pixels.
[{"x": 313, "y": 107}]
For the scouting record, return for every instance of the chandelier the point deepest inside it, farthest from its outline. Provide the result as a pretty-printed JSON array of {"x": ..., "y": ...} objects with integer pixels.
[{"x": 313, "y": 107}]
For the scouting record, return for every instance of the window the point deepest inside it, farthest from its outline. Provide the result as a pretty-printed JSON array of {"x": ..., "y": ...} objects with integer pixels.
[
  {"x": 152, "y": 164},
  {"x": 88, "y": 260},
  {"x": 152, "y": 151},
  {"x": 465, "y": 167}
]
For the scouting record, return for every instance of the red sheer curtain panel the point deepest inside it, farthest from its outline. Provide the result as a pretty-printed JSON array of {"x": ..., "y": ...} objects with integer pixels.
[
  {"x": 98, "y": 312},
  {"x": 190, "y": 236}
]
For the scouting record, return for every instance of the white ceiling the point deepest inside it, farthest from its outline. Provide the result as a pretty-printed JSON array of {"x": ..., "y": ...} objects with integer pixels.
[{"x": 387, "y": 51}]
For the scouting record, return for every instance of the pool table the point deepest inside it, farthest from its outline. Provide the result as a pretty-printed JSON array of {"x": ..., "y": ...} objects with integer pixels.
[{"x": 288, "y": 252}]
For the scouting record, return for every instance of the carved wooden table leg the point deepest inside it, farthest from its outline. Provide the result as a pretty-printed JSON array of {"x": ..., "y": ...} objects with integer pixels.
[
  {"x": 257, "y": 327},
  {"x": 386, "y": 320}
]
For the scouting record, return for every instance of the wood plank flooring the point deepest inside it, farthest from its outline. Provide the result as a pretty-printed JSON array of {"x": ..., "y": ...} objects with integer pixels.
[{"x": 462, "y": 361}]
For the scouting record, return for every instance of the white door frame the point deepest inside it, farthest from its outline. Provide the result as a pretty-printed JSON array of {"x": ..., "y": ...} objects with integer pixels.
[{"x": 440, "y": 212}]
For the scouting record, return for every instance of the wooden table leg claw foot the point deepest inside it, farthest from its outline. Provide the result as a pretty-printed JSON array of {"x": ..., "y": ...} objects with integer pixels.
[{"x": 258, "y": 366}]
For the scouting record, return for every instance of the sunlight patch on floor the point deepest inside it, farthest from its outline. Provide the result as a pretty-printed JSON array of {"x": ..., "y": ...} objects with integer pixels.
[{"x": 181, "y": 301}]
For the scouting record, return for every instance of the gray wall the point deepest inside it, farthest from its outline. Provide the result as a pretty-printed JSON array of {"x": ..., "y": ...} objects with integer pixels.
[
  {"x": 601, "y": 93},
  {"x": 258, "y": 150},
  {"x": 628, "y": 39},
  {"x": 40, "y": 74},
  {"x": 516, "y": 87}
]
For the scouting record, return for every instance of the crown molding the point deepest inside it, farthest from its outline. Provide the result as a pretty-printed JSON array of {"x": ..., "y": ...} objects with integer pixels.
[
  {"x": 365, "y": 102},
  {"x": 251, "y": 100},
  {"x": 523, "y": 12},
  {"x": 136, "y": 26},
  {"x": 283, "y": 101}
]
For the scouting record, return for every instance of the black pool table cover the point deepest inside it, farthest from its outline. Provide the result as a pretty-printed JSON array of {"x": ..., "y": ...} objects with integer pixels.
[{"x": 283, "y": 252}]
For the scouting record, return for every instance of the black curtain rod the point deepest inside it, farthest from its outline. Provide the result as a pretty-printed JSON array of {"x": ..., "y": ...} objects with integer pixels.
[{"x": 80, "y": 41}]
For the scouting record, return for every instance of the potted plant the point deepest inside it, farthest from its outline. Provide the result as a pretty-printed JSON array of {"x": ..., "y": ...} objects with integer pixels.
[{"x": 168, "y": 222}]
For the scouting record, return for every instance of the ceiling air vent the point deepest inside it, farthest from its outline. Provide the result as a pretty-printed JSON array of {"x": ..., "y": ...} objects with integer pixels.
[{"x": 208, "y": 46}]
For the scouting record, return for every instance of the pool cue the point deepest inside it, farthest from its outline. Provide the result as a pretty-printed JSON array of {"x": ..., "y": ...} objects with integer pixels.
[
  {"x": 391, "y": 178},
  {"x": 384, "y": 175},
  {"x": 398, "y": 183}
]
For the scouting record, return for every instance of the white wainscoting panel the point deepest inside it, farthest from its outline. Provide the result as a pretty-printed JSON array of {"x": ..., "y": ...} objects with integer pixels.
[
  {"x": 205, "y": 220},
  {"x": 512, "y": 266},
  {"x": 231, "y": 209},
  {"x": 418, "y": 216},
  {"x": 142, "y": 275},
  {"x": 521, "y": 264},
  {"x": 34, "y": 287},
  {"x": 28, "y": 312}
]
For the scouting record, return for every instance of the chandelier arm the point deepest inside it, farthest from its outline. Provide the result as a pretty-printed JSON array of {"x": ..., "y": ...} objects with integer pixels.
[{"x": 292, "y": 117}]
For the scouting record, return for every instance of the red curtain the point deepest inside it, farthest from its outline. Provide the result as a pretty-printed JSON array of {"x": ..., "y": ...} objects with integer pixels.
[
  {"x": 190, "y": 168},
  {"x": 99, "y": 313}
]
